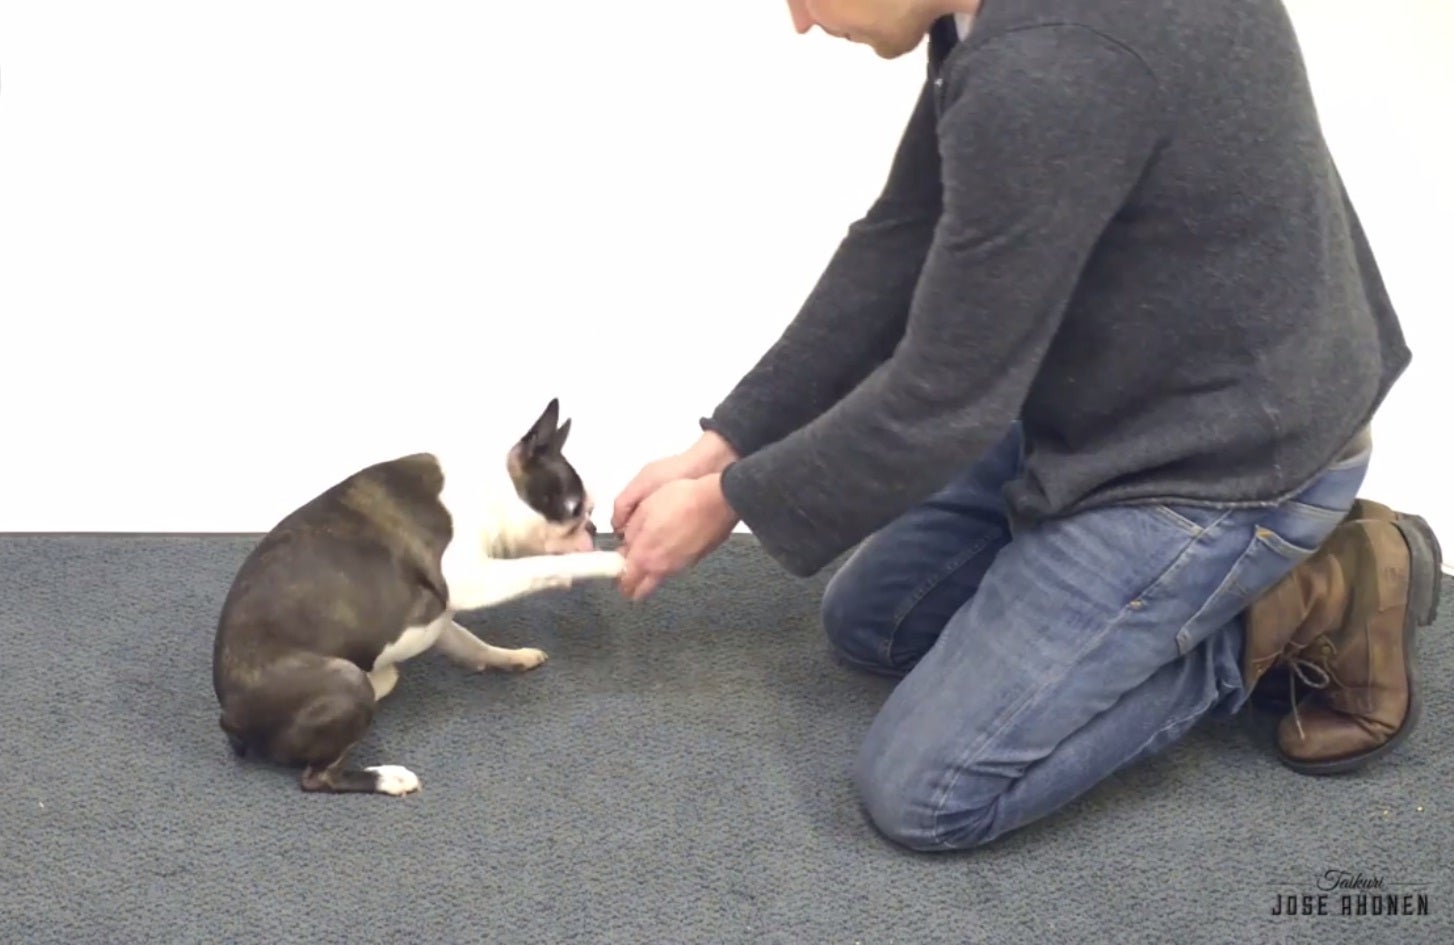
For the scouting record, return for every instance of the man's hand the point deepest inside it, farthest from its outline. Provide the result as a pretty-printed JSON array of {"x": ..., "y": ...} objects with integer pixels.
[
  {"x": 710, "y": 454},
  {"x": 671, "y": 530}
]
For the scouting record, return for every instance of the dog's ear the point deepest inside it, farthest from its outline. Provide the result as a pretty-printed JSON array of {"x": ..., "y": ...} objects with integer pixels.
[
  {"x": 557, "y": 444},
  {"x": 542, "y": 435}
]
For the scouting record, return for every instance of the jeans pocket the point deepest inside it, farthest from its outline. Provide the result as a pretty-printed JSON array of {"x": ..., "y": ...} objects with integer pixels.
[
  {"x": 1269, "y": 554},
  {"x": 1291, "y": 550},
  {"x": 1280, "y": 538},
  {"x": 1295, "y": 529}
]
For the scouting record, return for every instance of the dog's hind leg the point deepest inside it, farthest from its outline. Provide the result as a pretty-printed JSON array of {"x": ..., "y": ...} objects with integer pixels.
[
  {"x": 333, "y": 713},
  {"x": 383, "y": 679},
  {"x": 467, "y": 650}
]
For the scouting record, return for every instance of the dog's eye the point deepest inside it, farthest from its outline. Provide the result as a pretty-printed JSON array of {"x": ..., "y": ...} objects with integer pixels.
[{"x": 575, "y": 509}]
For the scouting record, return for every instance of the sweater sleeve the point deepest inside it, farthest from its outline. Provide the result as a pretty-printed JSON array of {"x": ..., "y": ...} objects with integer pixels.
[
  {"x": 855, "y": 314},
  {"x": 1043, "y": 134}
]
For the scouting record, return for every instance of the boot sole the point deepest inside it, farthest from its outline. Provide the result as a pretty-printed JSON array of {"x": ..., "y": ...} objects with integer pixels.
[{"x": 1426, "y": 560}]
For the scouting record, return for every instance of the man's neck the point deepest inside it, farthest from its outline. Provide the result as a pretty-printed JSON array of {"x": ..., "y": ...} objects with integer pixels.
[{"x": 961, "y": 9}]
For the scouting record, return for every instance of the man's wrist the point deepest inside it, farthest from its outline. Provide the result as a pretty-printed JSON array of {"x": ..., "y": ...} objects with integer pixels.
[
  {"x": 714, "y": 452},
  {"x": 725, "y": 512}
]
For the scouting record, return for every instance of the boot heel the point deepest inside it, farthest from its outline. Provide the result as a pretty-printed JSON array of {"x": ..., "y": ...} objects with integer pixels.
[{"x": 1426, "y": 561}]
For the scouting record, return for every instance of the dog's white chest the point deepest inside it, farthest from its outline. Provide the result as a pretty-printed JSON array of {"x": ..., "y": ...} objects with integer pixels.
[{"x": 412, "y": 642}]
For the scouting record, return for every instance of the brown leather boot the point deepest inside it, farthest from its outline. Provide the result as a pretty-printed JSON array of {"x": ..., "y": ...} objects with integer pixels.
[
  {"x": 1343, "y": 623},
  {"x": 1364, "y": 509},
  {"x": 1272, "y": 693}
]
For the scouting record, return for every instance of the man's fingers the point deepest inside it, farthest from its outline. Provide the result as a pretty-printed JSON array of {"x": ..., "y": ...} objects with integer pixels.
[
  {"x": 636, "y": 583},
  {"x": 631, "y": 528},
  {"x": 631, "y": 575},
  {"x": 637, "y": 489},
  {"x": 647, "y": 587},
  {"x": 625, "y": 504}
]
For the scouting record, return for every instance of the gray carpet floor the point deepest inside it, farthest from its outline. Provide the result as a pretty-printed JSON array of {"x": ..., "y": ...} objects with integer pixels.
[{"x": 677, "y": 773}]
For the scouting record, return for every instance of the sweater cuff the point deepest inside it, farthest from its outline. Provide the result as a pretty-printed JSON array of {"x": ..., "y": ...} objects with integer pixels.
[
  {"x": 783, "y": 529},
  {"x": 733, "y": 438},
  {"x": 736, "y": 429}
]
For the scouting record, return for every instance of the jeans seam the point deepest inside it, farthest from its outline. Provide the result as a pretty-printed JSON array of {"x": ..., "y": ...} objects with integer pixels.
[
  {"x": 1332, "y": 516},
  {"x": 1230, "y": 583},
  {"x": 925, "y": 588},
  {"x": 1177, "y": 519},
  {"x": 1181, "y": 559},
  {"x": 999, "y": 724},
  {"x": 1201, "y": 711},
  {"x": 873, "y": 667},
  {"x": 1293, "y": 553}
]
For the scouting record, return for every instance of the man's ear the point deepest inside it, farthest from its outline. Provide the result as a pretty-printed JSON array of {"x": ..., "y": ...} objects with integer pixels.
[{"x": 542, "y": 434}]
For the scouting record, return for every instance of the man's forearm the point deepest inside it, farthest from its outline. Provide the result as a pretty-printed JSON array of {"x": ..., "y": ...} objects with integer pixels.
[{"x": 855, "y": 315}]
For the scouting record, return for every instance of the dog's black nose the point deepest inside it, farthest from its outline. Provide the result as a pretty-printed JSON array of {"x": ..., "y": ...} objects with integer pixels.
[{"x": 590, "y": 527}]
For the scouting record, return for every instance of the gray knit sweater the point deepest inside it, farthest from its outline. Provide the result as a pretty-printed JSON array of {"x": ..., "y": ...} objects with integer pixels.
[{"x": 1116, "y": 221}]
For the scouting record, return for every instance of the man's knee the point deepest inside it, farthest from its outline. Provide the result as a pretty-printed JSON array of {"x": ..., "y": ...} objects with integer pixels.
[
  {"x": 857, "y": 621},
  {"x": 907, "y": 804},
  {"x": 902, "y": 815}
]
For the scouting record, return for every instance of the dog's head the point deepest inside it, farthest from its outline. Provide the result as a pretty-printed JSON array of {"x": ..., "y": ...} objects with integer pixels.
[{"x": 550, "y": 488}]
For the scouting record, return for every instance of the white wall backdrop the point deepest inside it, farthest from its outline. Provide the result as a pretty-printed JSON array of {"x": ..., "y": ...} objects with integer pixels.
[{"x": 246, "y": 248}]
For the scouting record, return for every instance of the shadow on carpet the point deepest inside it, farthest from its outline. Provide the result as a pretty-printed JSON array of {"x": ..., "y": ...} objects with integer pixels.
[{"x": 677, "y": 773}]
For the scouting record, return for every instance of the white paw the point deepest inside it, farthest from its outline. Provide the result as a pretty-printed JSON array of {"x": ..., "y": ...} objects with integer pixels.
[
  {"x": 395, "y": 779},
  {"x": 528, "y": 658},
  {"x": 519, "y": 660},
  {"x": 608, "y": 564}
]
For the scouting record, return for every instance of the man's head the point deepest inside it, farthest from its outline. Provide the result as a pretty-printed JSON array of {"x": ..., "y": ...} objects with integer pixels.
[{"x": 891, "y": 28}]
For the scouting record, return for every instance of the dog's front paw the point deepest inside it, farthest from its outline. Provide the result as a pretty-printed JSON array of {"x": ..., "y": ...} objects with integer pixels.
[
  {"x": 522, "y": 659},
  {"x": 606, "y": 564},
  {"x": 509, "y": 659}
]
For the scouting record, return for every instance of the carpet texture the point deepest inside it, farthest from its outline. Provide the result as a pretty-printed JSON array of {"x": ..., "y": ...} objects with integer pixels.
[{"x": 677, "y": 773}]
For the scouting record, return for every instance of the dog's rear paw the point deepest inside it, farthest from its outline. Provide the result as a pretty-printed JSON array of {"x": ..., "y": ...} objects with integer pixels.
[{"x": 394, "y": 779}]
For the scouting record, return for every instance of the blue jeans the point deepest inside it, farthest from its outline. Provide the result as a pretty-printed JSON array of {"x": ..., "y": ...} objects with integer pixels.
[{"x": 1036, "y": 665}]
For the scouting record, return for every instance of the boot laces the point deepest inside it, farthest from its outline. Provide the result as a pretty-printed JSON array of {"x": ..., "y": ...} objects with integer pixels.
[{"x": 1314, "y": 669}]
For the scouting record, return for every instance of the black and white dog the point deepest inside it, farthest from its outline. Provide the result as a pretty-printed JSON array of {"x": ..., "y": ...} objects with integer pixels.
[{"x": 371, "y": 573}]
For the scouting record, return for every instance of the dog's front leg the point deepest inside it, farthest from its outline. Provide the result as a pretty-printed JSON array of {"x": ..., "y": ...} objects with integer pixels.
[
  {"x": 476, "y": 582},
  {"x": 465, "y": 649}
]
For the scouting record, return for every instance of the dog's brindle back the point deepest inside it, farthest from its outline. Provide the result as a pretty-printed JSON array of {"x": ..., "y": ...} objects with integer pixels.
[
  {"x": 352, "y": 583},
  {"x": 316, "y": 602}
]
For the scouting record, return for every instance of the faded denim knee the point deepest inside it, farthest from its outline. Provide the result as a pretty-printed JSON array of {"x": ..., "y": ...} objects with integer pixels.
[
  {"x": 858, "y": 621},
  {"x": 907, "y": 804}
]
